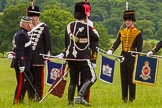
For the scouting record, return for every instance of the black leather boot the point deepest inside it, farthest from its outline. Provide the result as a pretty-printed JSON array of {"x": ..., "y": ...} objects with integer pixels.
[
  {"x": 82, "y": 93},
  {"x": 71, "y": 92}
]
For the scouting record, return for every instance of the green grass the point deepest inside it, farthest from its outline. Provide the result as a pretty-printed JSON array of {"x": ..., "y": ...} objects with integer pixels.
[{"x": 103, "y": 95}]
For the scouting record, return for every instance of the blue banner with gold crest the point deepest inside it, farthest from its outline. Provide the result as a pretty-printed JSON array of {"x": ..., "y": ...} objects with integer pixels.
[
  {"x": 145, "y": 70},
  {"x": 53, "y": 70},
  {"x": 107, "y": 69}
]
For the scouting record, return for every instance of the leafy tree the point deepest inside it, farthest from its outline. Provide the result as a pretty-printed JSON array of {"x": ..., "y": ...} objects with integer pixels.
[
  {"x": 104, "y": 38},
  {"x": 159, "y": 33},
  {"x": 107, "y": 13},
  {"x": 3, "y": 45},
  {"x": 104, "y": 10},
  {"x": 2, "y": 5},
  {"x": 147, "y": 46},
  {"x": 9, "y": 25},
  {"x": 113, "y": 26},
  {"x": 147, "y": 28},
  {"x": 56, "y": 19}
]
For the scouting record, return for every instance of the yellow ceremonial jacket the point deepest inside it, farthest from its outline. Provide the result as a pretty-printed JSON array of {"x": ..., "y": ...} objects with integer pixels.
[{"x": 130, "y": 38}]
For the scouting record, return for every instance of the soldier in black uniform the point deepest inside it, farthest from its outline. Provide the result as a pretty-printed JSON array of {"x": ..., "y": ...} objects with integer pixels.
[
  {"x": 94, "y": 52},
  {"x": 131, "y": 39},
  {"x": 155, "y": 49},
  {"x": 78, "y": 46},
  {"x": 93, "y": 44},
  {"x": 21, "y": 61},
  {"x": 41, "y": 44}
]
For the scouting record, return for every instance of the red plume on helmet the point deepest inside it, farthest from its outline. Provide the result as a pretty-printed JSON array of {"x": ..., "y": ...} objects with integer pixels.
[{"x": 82, "y": 10}]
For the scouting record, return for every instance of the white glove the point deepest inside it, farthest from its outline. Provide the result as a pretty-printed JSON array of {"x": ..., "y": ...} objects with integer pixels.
[
  {"x": 109, "y": 52},
  {"x": 11, "y": 55},
  {"x": 149, "y": 54},
  {"x": 46, "y": 58},
  {"x": 22, "y": 69},
  {"x": 93, "y": 65},
  {"x": 60, "y": 56}
]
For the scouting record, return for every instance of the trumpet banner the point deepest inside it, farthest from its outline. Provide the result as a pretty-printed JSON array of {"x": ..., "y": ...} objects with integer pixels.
[
  {"x": 54, "y": 70},
  {"x": 107, "y": 69},
  {"x": 58, "y": 87},
  {"x": 145, "y": 70}
]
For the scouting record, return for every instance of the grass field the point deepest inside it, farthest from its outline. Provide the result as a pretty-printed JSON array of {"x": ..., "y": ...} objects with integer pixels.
[{"x": 103, "y": 95}]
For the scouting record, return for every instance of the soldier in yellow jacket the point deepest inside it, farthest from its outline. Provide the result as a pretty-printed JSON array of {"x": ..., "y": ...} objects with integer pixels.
[{"x": 131, "y": 39}]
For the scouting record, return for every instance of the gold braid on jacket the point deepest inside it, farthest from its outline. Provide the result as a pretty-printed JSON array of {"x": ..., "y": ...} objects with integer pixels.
[{"x": 127, "y": 38}]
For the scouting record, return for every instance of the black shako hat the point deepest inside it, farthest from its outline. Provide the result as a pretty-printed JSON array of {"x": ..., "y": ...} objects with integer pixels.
[
  {"x": 33, "y": 11},
  {"x": 129, "y": 15},
  {"x": 82, "y": 10}
]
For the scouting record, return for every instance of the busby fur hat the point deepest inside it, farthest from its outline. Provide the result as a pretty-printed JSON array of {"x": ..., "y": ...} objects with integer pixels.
[
  {"x": 82, "y": 9},
  {"x": 33, "y": 11},
  {"x": 129, "y": 15}
]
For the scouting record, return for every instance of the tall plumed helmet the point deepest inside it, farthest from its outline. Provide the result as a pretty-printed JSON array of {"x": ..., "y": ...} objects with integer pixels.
[
  {"x": 129, "y": 15},
  {"x": 32, "y": 3},
  {"x": 33, "y": 11},
  {"x": 82, "y": 10}
]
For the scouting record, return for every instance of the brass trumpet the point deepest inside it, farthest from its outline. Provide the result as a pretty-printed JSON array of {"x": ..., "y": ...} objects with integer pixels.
[
  {"x": 117, "y": 58},
  {"x": 153, "y": 56}
]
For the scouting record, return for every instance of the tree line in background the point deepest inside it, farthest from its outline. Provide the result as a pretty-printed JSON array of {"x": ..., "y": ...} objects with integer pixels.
[
  {"x": 107, "y": 15},
  {"x": 56, "y": 19}
]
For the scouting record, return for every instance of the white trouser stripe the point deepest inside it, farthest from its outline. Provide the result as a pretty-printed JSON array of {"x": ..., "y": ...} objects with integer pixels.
[{"x": 92, "y": 71}]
